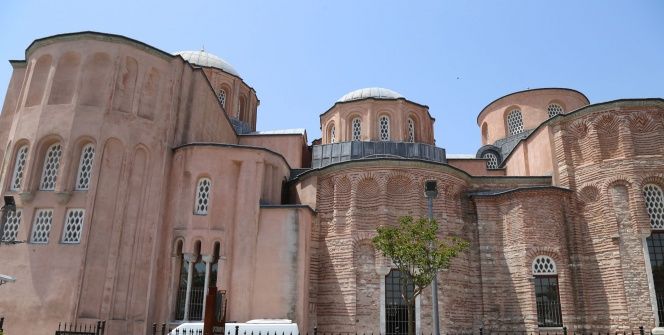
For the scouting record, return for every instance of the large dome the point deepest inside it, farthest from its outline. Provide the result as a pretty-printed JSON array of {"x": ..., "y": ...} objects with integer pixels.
[
  {"x": 370, "y": 92},
  {"x": 202, "y": 58}
]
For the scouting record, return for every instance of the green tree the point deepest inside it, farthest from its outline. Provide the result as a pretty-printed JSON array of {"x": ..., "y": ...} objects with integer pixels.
[{"x": 416, "y": 250}]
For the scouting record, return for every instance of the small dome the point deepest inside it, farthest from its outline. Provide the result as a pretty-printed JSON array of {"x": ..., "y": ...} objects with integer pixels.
[
  {"x": 370, "y": 92},
  {"x": 202, "y": 58}
]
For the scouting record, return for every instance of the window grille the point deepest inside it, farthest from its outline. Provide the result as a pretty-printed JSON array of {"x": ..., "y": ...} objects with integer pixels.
[
  {"x": 547, "y": 299},
  {"x": 12, "y": 225},
  {"x": 411, "y": 130},
  {"x": 202, "y": 196},
  {"x": 384, "y": 128},
  {"x": 357, "y": 129},
  {"x": 396, "y": 310},
  {"x": 85, "y": 167},
  {"x": 655, "y": 205},
  {"x": 514, "y": 122},
  {"x": 492, "y": 160},
  {"x": 554, "y": 109},
  {"x": 333, "y": 134},
  {"x": 655, "y": 244},
  {"x": 73, "y": 225},
  {"x": 41, "y": 226},
  {"x": 19, "y": 168},
  {"x": 51, "y": 166},
  {"x": 544, "y": 265},
  {"x": 222, "y": 98}
]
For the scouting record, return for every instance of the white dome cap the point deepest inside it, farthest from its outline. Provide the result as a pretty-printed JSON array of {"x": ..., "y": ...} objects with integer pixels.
[
  {"x": 202, "y": 58},
  {"x": 370, "y": 92}
]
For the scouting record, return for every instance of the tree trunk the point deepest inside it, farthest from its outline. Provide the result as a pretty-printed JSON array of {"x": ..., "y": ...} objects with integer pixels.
[{"x": 411, "y": 317}]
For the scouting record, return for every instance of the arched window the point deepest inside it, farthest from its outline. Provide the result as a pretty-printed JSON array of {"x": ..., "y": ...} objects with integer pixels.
[
  {"x": 222, "y": 97},
  {"x": 654, "y": 198},
  {"x": 85, "y": 167},
  {"x": 554, "y": 109},
  {"x": 411, "y": 130},
  {"x": 333, "y": 134},
  {"x": 19, "y": 168},
  {"x": 492, "y": 160},
  {"x": 396, "y": 309},
  {"x": 546, "y": 292},
  {"x": 51, "y": 166},
  {"x": 202, "y": 196},
  {"x": 384, "y": 128},
  {"x": 356, "y": 129},
  {"x": 197, "y": 273},
  {"x": 514, "y": 122}
]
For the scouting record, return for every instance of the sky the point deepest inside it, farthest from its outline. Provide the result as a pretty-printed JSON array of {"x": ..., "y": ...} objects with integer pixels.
[{"x": 453, "y": 56}]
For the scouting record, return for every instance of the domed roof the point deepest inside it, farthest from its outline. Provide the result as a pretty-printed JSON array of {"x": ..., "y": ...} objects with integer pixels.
[
  {"x": 202, "y": 58},
  {"x": 370, "y": 92}
]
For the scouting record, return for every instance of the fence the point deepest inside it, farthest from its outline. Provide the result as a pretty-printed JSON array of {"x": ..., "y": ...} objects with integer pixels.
[{"x": 81, "y": 329}]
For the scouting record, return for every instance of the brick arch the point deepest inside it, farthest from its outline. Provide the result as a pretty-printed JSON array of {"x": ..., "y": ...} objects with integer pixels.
[
  {"x": 399, "y": 185},
  {"x": 588, "y": 193},
  {"x": 362, "y": 237},
  {"x": 342, "y": 190},
  {"x": 646, "y": 134},
  {"x": 543, "y": 251},
  {"x": 608, "y": 126},
  {"x": 368, "y": 190},
  {"x": 621, "y": 180},
  {"x": 580, "y": 144},
  {"x": 657, "y": 179}
]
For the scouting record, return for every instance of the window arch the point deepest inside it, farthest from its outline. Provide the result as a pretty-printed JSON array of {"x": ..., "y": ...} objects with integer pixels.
[
  {"x": 85, "y": 167},
  {"x": 411, "y": 130},
  {"x": 544, "y": 265},
  {"x": 514, "y": 122},
  {"x": 554, "y": 109},
  {"x": 492, "y": 160},
  {"x": 547, "y": 296},
  {"x": 356, "y": 129},
  {"x": 384, "y": 128},
  {"x": 221, "y": 95},
  {"x": 654, "y": 198},
  {"x": 202, "y": 196},
  {"x": 51, "y": 167},
  {"x": 20, "y": 161}
]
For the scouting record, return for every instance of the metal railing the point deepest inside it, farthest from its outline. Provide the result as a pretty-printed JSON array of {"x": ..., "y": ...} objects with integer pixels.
[{"x": 548, "y": 314}]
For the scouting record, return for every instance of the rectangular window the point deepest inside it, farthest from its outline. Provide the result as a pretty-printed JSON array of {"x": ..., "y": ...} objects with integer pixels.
[
  {"x": 396, "y": 310},
  {"x": 73, "y": 225},
  {"x": 656, "y": 251},
  {"x": 548, "y": 301},
  {"x": 41, "y": 226},
  {"x": 12, "y": 225}
]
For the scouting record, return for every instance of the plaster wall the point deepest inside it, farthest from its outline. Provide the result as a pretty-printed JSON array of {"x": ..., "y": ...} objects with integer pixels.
[{"x": 292, "y": 147}]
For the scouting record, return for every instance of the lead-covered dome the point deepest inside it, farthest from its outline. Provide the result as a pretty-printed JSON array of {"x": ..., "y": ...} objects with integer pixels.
[
  {"x": 370, "y": 92},
  {"x": 202, "y": 58}
]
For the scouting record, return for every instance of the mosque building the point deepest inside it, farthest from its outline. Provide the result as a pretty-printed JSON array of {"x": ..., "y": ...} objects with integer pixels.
[{"x": 140, "y": 181}]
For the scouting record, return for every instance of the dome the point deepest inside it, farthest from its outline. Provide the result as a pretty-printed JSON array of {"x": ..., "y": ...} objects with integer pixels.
[
  {"x": 370, "y": 92},
  {"x": 202, "y": 58}
]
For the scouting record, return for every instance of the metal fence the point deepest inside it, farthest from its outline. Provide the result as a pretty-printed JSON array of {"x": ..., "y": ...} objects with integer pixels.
[{"x": 81, "y": 329}]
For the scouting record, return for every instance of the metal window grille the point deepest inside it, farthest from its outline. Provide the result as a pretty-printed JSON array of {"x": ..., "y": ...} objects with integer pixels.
[
  {"x": 357, "y": 129},
  {"x": 73, "y": 225},
  {"x": 492, "y": 160},
  {"x": 41, "y": 226},
  {"x": 384, "y": 128},
  {"x": 554, "y": 109},
  {"x": 202, "y": 196},
  {"x": 333, "y": 134},
  {"x": 12, "y": 225},
  {"x": 19, "y": 168},
  {"x": 51, "y": 166},
  {"x": 514, "y": 122},
  {"x": 222, "y": 98},
  {"x": 411, "y": 130},
  {"x": 656, "y": 251},
  {"x": 544, "y": 265},
  {"x": 85, "y": 167},
  {"x": 548, "y": 301},
  {"x": 396, "y": 310},
  {"x": 654, "y": 198}
]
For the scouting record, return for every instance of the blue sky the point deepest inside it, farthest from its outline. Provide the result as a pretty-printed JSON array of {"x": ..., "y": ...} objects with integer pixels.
[{"x": 455, "y": 57}]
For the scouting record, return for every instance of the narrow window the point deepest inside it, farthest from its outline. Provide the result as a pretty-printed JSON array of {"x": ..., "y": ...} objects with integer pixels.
[
  {"x": 492, "y": 160},
  {"x": 411, "y": 130},
  {"x": 655, "y": 205},
  {"x": 514, "y": 122},
  {"x": 222, "y": 97},
  {"x": 19, "y": 168},
  {"x": 656, "y": 251},
  {"x": 384, "y": 128},
  {"x": 41, "y": 226},
  {"x": 202, "y": 196},
  {"x": 73, "y": 225},
  {"x": 357, "y": 129},
  {"x": 51, "y": 166},
  {"x": 546, "y": 292},
  {"x": 85, "y": 167},
  {"x": 333, "y": 134},
  {"x": 12, "y": 225},
  {"x": 396, "y": 310},
  {"x": 554, "y": 109}
]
